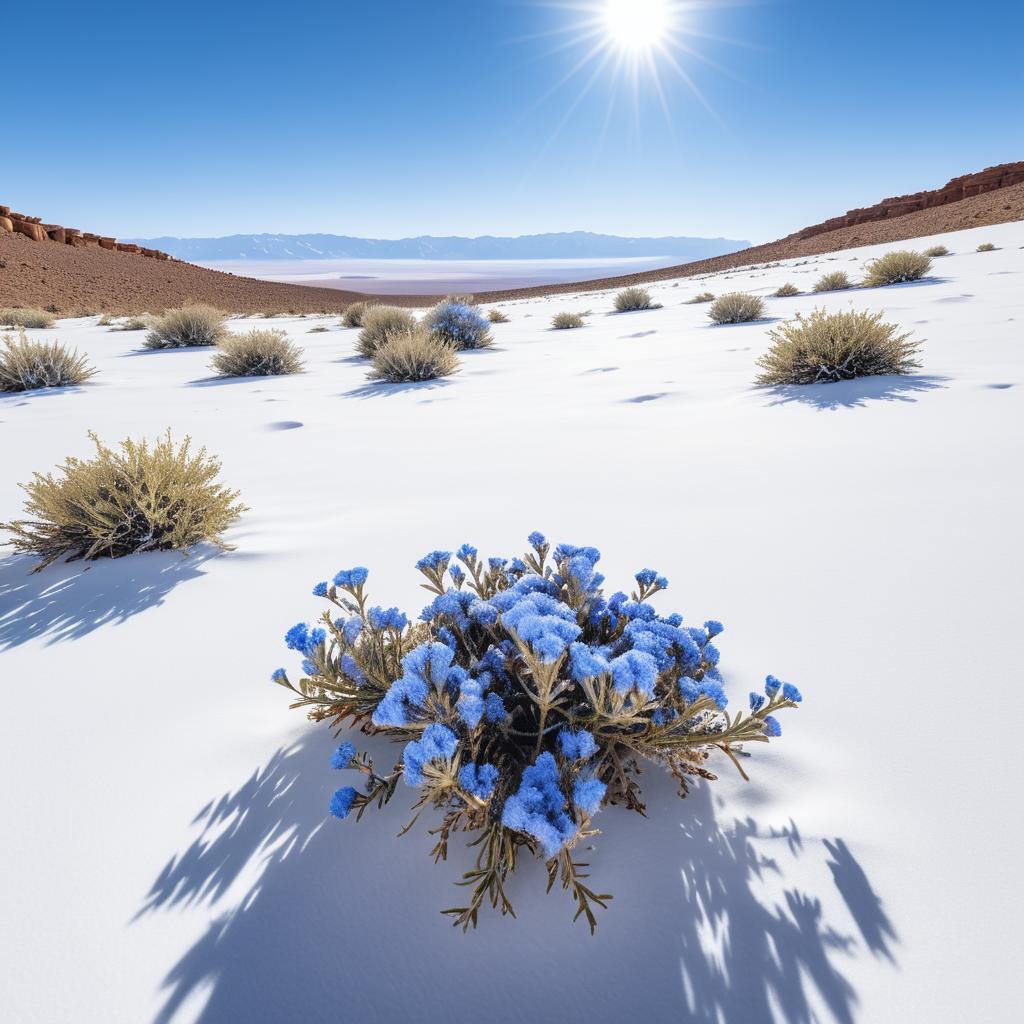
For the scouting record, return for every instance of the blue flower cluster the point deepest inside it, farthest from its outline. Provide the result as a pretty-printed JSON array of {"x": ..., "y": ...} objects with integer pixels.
[
  {"x": 461, "y": 325},
  {"x": 521, "y": 686}
]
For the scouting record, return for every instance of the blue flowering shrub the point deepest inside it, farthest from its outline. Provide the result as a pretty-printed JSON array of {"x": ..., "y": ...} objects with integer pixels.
[
  {"x": 460, "y": 324},
  {"x": 525, "y": 701}
]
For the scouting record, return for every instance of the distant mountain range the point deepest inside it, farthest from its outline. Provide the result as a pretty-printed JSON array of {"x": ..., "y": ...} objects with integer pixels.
[{"x": 563, "y": 245}]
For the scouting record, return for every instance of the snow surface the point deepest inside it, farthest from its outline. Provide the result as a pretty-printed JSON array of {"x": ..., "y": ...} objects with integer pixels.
[{"x": 165, "y": 853}]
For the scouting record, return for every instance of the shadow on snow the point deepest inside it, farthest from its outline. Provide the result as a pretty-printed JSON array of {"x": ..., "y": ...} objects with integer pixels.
[
  {"x": 325, "y": 920},
  {"x": 856, "y": 393}
]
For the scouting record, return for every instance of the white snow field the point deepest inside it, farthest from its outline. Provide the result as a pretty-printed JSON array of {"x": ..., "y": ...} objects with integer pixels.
[{"x": 166, "y": 851}]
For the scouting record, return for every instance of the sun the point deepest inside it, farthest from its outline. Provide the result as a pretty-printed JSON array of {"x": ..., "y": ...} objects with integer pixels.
[{"x": 636, "y": 25}]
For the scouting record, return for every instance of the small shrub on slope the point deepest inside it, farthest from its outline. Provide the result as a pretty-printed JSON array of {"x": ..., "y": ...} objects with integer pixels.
[
  {"x": 786, "y": 291},
  {"x": 26, "y": 365},
  {"x": 827, "y": 347},
  {"x": 896, "y": 267},
  {"x": 566, "y": 321},
  {"x": 25, "y": 318},
  {"x": 352, "y": 316},
  {"x": 413, "y": 354},
  {"x": 104, "y": 321},
  {"x": 186, "y": 327},
  {"x": 525, "y": 699},
  {"x": 936, "y": 250},
  {"x": 736, "y": 308},
  {"x": 986, "y": 247},
  {"x": 140, "y": 498},
  {"x": 630, "y": 299},
  {"x": 700, "y": 298},
  {"x": 496, "y": 316},
  {"x": 379, "y": 322},
  {"x": 257, "y": 354},
  {"x": 133, "y": 323},
  {"x": 835, "y": 281},
  {"x": 459, "y": 324}
]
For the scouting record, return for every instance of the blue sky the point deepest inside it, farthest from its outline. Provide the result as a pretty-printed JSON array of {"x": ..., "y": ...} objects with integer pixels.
[{"x": 405, "y": 117}]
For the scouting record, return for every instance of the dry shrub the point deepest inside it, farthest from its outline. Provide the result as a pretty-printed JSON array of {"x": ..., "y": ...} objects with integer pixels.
[
  {"x": 786, "y": 291},
  {"x": 835, "y": 281},
  {"x": 566, "y": 321},
  {"x": 936, "y": 250},
  {"x": 140, "y": 498},
  {"x": 26, "y": 365},
  {"x": 25, "y": 317},
  {"x": 986, "y": 247},
  {"x": 257, "y": 354},
  {"x": 104, "y": 321},
  {"x": 896, "y": 267},
  {"x": 379, "y": 322},
  {"x": 701, "y": 297},
  {"x": 186, "y": 327},
  {"x": 827, "y": 347},
  {"x": 496, "y": 316},
  {"x": 736, "y": 308},
  {"x": 352, "y": 315},
  {"x": 630, "y": 299},
  {"x": 133, "y": 323},
  {"x": 317, "y": 330},
  {"x": 413, "y": 354}
]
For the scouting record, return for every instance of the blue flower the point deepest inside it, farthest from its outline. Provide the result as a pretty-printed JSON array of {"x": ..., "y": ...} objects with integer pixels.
[
  {"x": 423, "y": 667},
  {"x": 634, "y": 670},
  {"x": 341, "y": 802},
  {"x": 646, "y": 577},
  {"x": 457, "y": 575},
  {"x": 466, "y": 553},
  {"x": 438, "y": 742},
  {"x": 351, "y": 668},
  {"x": 320, "y": 590},
  {"x": 351, "y": 629},
  {"x": 771, "y": 685},
  {"x": 771, "y": 726},
  {"x": 537, "y": 540},
  {"x": 494, "y": 708},
  {"x": 390, "y": 618},
  {"x": 436, "y": 560},
  {"x": 756, "y": 701},
  {"x": 538, "y": 808},
  {"x": 279, "y": 675},
  {"x": 343, "y": 756},
  {"x": 303, "y": 639},
  {"x": 351, "y": 578},
  {"x": 790, "y": 692},
  {"x": 496, "y": 564},
  {"x": 478, "y": 779},
  {"x": 714, "y": 627},
  {"x": 711, "y": 654},
  {"x": 470, "y": 704},
  {"x": 587, "y": 794},
  {"x": 576, "y": 746},
  {"x": 587, "y": 662}
]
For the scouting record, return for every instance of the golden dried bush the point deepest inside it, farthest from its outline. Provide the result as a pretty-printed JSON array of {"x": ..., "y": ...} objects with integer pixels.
[
  {"x": 263, "y": 353},
  {"x": 986, "y": 247},
  {"x": 140, "y": 498},
  {"x": 26, "y": 365},
  {"x": 25, "y": 317},
  {"x": 826, "y": 347},
  {"x": 701, "y": 297},
  {"x": 936, "y": 250},
  {"x": 566, "y": 321},
  {"x": 186, "y": 327},
  {"x": 379, "y": 322},
  {"x": 786, "y": 291},
  {"x": 413, "y": 354},
  {"x": 633, "y": 298},
  {"x": 736, "y": 308},
  {"x": 896, "y": 267},
  {"x": 496, "y": 316},
  {"x": 352, "y": 315},
  {"x": 834, "y": 281}
]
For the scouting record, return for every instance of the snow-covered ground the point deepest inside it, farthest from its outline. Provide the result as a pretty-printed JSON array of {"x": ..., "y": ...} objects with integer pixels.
[{"x": 165, "y": 854}]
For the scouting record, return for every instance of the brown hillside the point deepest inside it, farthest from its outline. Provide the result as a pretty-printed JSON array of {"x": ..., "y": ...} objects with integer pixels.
[{"x": 72, "y": 279}]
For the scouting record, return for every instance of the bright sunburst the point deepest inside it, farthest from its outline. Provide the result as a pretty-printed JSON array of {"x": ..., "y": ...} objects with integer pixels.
[{"x": 638, "y": 24}]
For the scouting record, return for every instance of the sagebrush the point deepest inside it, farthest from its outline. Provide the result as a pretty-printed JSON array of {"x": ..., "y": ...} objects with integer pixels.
[
  {"x": 525, "y": 700},
  {"x": 352, "y": 315},
  {"x": 459, "y": 324},
  {"x": 496, "y": 316},
  {"x": 896, "y": 267},
  {"x": 701, "y": 297},
  {"x": 413, "y": 354},
  {"x": 736, "y": 308},
  {"x": 257, "y": 354},
  {"x": 566, "y": 321},
  {"x": 826, "y": 347},
  {"x": 986, "y": 247},
  {"x": 786, "y": 290},
  {"x": 27, "y": 365},
  {"x": 936, "y": 250},
  {"x": 186, "y": 327},
  {"x": 26, "y": 317},
  {"x": 379, "y": 322},
  {"x": 141, "y": 498},
  {"x": 835, "y": 281},
  {"x": 630, "y": 299},
  {"x": 133, "y": 323}
]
